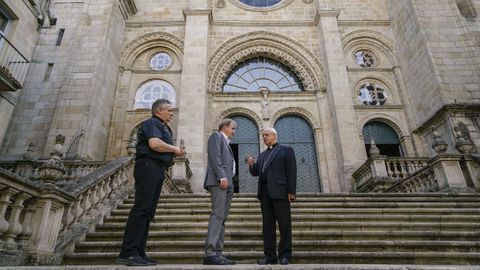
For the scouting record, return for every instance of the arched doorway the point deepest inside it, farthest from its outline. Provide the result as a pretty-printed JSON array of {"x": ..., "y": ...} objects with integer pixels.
[
  {"x": 385, "y": 138},
  {"x": 245, "y": 142},
  {"x": 294, "y": 131}
]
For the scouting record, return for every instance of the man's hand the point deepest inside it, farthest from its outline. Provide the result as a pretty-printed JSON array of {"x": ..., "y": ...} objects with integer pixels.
[
  {"x": 291, "y": 197},
  {"x": 250, "y": 160},
  {"x": 178, "y": 151},
  {"x": 223, "y": 183}
]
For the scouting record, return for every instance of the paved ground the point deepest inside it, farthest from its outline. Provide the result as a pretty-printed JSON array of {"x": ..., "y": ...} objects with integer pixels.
[{"x": 254, "y": 267}]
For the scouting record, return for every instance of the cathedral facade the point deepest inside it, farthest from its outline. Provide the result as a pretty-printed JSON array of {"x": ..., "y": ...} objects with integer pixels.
[{"x": 334, "y": 77}]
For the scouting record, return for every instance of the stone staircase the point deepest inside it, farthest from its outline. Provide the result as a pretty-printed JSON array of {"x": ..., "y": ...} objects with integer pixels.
[{"x": 428, "y": 229}]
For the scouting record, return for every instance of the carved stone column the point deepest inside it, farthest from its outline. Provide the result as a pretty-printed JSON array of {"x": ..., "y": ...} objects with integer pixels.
[
  {"x": 193, "y": 114},
  {"x": 348, "y": 145}
]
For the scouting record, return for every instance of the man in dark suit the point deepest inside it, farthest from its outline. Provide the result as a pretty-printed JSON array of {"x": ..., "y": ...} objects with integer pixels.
[
  {"x": 277, "y": 171},
  {"x": 155, "y": 151},
  {"x": 219, "y": 182}
]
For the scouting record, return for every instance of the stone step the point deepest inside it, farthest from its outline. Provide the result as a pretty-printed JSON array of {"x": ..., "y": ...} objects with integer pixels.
[
  {"x": 183, "y": 234},
  {"x": 338, "y": 228},
  {"x": 338, "y": 196},
  {"x": 299, "y": 245},
  {"x": 317, "y": 211},
  {"x": 295, "y": 205},
  {"x": 322, "y": 266},
  {"x": 297, "y": 257},
  {"x": 308, "y": 226},
  {"x": 304, "y": 217}
]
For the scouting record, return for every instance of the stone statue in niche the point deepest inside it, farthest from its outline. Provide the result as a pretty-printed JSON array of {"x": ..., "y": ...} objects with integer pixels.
[{"x": 265, "y": 103}]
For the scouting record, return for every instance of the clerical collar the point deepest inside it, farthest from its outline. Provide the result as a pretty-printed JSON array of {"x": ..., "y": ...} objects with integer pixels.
[{"x": 272, "y": 146}]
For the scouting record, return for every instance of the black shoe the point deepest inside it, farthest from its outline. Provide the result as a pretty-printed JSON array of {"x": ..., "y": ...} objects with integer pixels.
[
  {"x": 265, "y": 261},
  {"x": 283, "y": 261},
  {"x": 214, "y": 260},
  {"x": 229, "y": 262},
  {"x": 150, "y": 261},
  {"x": 132, "y": 261}
]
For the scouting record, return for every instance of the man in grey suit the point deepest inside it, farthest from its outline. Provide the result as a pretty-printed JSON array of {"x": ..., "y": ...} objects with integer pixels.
[{"x": 219, "y": 182}]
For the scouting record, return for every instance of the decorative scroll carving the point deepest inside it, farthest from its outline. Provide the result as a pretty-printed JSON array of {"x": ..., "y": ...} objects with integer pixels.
[
  {"x": 288, "y": 52},
  {"x": 143, "y": 42}
]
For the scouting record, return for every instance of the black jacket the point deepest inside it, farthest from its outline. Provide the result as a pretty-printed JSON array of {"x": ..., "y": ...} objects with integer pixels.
[{"x": 280, "y": 172}]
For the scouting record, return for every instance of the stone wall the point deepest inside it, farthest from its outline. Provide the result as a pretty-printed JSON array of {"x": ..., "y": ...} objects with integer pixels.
[{"x": 21, "y": 32}]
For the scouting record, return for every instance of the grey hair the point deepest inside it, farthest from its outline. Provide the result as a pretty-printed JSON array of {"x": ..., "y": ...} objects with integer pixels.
[
  {"x": 226, "y": 122},
  {"x": 158, "y": 105},
  {"x": 271, "y": 130}
]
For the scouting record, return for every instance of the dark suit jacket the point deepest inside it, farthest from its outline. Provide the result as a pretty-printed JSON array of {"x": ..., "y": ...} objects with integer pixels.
[
  {"x": 280, "y": 170},
  {"x": 220, "y": 161}
]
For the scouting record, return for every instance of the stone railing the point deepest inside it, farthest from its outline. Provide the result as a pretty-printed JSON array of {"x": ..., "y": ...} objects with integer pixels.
[
  {"x": 442, "y": 173},
  {"x": 380, "y": 172},
  {"x": 30, "y": 169},
  {"x": 41, "y": 220}
]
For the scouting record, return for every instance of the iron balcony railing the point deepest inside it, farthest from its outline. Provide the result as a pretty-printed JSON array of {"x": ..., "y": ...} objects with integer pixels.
[{"x": 13, "y": 65}]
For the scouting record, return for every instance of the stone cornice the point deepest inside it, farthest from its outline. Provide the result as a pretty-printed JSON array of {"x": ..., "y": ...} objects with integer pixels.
[
  {"x": 451, "y": 109},
  {"x": 377, "y": 108},
  {"x": 198, "y": 12},
  {"x": 304, "y": 23},
  {"x": 364, "y": 22},
  {"x": 326, "y": 13},
  {"x": 139, "y": 24},
  {"x": 362, "y": 69}
]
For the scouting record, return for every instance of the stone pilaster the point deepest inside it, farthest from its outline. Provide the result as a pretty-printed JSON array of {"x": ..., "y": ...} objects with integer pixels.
[
  {"x": 341, "y": 112},
  {"x": 193, "y": 96}
]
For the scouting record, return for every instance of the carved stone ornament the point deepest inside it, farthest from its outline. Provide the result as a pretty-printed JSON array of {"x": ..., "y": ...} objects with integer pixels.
[
  {"x": 53, "y": 169},
  {"x": 220, "y": 4},
  {"x": 30, "y": 153},
  {"x": 292, "y": 54},
  {"x": 374, "y": 151},
  {"x": 439, "y": 145},
  {"x": 463, "y": 145}
]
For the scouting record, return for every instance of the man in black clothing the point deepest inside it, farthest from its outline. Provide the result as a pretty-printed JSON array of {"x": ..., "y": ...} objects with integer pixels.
[
  {"x": 154, "y": 155},
  {"x": 277, "y": 171}
]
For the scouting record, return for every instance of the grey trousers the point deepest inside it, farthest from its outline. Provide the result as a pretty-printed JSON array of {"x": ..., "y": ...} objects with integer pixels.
[{"x": 221, "y": 200}]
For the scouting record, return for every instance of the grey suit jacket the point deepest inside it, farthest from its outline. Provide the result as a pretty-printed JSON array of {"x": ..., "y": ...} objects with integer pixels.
[{"x": 220, "y": 161}]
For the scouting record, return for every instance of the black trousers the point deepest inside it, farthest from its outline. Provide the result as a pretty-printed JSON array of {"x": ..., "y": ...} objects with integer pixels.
[
  {"x": 273, "y": 211},
  {"x": 149, "y": 176}
]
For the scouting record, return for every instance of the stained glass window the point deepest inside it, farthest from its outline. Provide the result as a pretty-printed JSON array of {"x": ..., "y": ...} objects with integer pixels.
[
  {"x": 151, "y": 91},
  {"x": 261, "y": 72},
  {"x": 260, "y": 3},
  {"x": 160, "y": 61}
]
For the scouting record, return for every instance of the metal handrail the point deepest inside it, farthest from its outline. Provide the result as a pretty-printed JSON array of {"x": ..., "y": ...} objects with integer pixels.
[{"x": 13, "y": 63}]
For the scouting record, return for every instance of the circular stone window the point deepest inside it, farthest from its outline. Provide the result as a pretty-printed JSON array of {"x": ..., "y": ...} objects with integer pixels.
[
  {"x": 365, "y": 58},
  {"x": 261, "y": 5},
  {"x": 160, "y": 61}
]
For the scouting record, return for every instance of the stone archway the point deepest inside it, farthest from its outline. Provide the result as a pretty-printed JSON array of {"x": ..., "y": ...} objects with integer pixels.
[{"x": 292, "y": 54}]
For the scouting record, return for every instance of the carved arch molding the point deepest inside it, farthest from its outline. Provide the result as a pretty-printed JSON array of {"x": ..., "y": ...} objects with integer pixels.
[
  {"x": 277, "y": 47},
  {"x": 147, "y": 41}
]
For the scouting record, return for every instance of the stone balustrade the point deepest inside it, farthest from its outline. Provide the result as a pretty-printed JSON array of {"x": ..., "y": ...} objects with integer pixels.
[
  {"x": 30, "y": 169},
  {"x": 30, "y": 212},
  {"x": 380, "y": 172},
  {"x": 39, "y": 221},
  {"x": 442, "y": 173}
]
